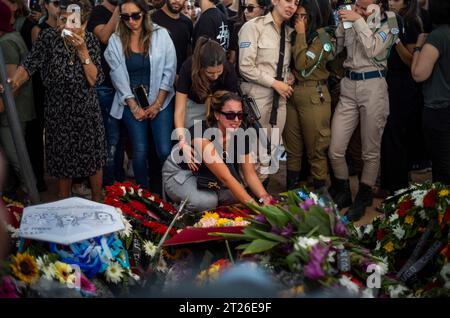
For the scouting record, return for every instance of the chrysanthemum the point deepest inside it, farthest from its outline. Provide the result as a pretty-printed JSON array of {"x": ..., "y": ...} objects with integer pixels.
[
  {"x": 207, "y": 215},
  {"x": 149, "y": 248},
  {"x": 63, "y": 272},
  {"x": 25, "y": 268},
  {"x": 114, "y": 273},
  {"x": 128, "y": 227}
]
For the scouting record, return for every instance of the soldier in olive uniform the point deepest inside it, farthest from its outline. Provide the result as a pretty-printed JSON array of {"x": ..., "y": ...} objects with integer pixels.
[
  {"x": 308, "y": 111},
  {"x": 364, "y": 99}
]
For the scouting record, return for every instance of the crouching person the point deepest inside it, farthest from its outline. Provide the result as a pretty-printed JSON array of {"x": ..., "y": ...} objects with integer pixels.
[{"x": 209, "y": 174}]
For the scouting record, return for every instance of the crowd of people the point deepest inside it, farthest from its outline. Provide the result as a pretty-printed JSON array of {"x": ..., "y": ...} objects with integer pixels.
[{"x": 338, "y": 83}]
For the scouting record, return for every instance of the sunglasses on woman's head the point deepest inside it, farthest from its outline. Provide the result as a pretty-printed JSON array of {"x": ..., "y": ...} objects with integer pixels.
[
  {"x": 250, "y": 8},
  {"x": 233, "y": 115},
  {"x": 134, "y": 16}
]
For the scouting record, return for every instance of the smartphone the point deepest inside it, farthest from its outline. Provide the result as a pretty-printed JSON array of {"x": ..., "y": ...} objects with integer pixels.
[
  {"x": 346, "y": 5},
  {"x": 34, "y": 5},
  {"x": 141, "y": 96}
]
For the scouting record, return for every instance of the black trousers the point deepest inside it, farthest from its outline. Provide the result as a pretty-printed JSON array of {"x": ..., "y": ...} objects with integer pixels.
[
  {"x": 404, "y": 101},
  {"x": 436, "y": 125}
]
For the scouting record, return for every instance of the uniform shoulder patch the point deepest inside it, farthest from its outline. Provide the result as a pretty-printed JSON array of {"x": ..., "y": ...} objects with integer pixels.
[
  {"x": 244, "y": 45},
  {"x": 311, "y": 55},
  {"x": 383, "y": 36}
]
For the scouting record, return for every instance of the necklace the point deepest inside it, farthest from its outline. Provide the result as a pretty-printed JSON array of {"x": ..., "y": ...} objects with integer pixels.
[{"x": 71, "y": 53}]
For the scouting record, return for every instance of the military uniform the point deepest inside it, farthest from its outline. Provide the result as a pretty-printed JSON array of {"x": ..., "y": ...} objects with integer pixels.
[
  {"x": 309, "y": 109},
  {"x": 259, "y": 48},
  {"x": 364, "y": 99}
]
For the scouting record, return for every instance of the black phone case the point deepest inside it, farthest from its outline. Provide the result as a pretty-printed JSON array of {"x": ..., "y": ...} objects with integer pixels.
[{"x": 141, "y": 96}]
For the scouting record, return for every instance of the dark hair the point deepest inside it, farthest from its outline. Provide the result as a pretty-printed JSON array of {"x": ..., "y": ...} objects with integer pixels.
[
  {"x": 207, "y": 53},
  {"x": 384, "y": 5},
  {"x": 439, "y": 11},
  {"x": 315, "y": 20},
  {"x": 410, "y": 13},
  {"x": 326, "y": 11},
  {"x": 215, "y": 102}
]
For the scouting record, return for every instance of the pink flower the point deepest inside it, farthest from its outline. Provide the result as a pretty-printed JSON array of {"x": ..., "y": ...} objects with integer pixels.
[
  {"x": 8, "y": 288},
  {"x": 86, "y": 286}
]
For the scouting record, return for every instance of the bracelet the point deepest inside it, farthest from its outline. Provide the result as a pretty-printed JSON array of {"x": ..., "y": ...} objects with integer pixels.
[
  {"x": 133, "y": 108},
  {"x": 261, "y": 199},
  {"x": 417, "y": 49}
]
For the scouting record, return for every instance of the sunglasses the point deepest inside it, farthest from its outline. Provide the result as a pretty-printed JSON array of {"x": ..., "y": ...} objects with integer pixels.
[
  {"x": 232, "y": 115},
  {"x": 134, "y": 16},
  {"x": 250, "y": 8}
]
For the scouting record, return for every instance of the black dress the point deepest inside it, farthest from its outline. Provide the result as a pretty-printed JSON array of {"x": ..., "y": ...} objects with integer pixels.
[{"x": 75, "y": 142}]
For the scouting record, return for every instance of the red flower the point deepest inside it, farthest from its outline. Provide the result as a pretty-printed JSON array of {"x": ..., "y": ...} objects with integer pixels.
[
  {"x": 138, "y": 206},
  {"x": 404, "y": 207},
  {"x": 447, "y": 215},
  {"x": 429, "y": 201},
  {"x": 446, "y": 251},
  {"x": 380, "y": 235}
]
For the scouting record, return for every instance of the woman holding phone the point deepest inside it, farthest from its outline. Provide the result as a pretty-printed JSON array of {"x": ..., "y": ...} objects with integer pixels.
[
  {"x": 143, "y": 61},
  {"x": 70, "y": 68}
]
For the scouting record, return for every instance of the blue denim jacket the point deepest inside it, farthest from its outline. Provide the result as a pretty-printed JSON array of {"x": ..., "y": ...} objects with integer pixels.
[{"x": 163, "y": 67}]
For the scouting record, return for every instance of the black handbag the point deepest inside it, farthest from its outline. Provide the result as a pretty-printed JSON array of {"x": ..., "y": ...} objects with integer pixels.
[{"x": 206, "y": 180}]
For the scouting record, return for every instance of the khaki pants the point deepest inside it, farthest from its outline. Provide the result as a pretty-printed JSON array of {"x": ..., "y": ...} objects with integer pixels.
[
  {"x": 308, "y": 125},
  {"x": 365, "y": 102},
  {"x": 263, "y": 97}
]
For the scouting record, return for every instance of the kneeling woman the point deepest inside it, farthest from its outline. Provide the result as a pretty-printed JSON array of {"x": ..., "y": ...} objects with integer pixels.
[{"x": 224, "y": 117}]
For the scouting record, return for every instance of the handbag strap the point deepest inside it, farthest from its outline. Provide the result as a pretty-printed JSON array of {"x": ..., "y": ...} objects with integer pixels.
[{"x": 276, "y": 96}]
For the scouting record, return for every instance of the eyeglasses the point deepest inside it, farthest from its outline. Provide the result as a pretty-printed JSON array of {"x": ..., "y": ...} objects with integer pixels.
[
  {"x": 55, "y": 3},
  {"x": 134, "y": 16},
  {"x": 250, "y": 8},
  {"x": 233, "y": 115}
]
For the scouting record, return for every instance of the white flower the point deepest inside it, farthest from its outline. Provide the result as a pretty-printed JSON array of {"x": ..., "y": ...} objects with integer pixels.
[
  {"x": 124, "y": 190},
  {"x": 368, "y": 229},
  {"x": 306, "y": 242},
  {"x": 162, "y": 265},
  {"x": 149, "y": 248},
  {"x": 418, "y": 197},
  {"x": 423, "y": 215},
  {"x": 314, "y": 197},
  {"x": 393, "y": 217},
  {"x": 114, "y": 273},
  {"x": 131, "y": 190},
  {"x": 445, "y": 272},
  {"x": 347, "y": 283},
  {"x": 14, "y": 232},
  {"x": 399, "y": 231},
  {"x": 400, "y": 191},
  {"x": 382, "y": 268},
  {"x": 324, "y": 239},
  {"x": 46, "y": 267},
  {"x": 152, "y": 198},
  {"x": 397, "y": 291},
  {"x": 128, "y": 227},
  {"x": 378, "y": 246},
  {"x": 161, "y": 205},
  {"x": 139, "y": 192},
  {"x": 330, "y": 257},
  {"x": 358, "y": 232}
]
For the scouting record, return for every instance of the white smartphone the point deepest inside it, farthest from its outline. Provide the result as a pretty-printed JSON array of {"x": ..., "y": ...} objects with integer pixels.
[{"x": 66, "y": 32}]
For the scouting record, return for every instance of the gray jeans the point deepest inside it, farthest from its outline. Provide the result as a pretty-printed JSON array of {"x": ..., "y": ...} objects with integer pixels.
[{"x": 180, "y": 183}]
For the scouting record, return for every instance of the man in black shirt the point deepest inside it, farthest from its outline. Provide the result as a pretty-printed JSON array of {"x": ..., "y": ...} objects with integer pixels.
[
  {"x": 102, "y": 23},
  {"x": 212, "y": 24},
  {"x": 179, "y": 26}
]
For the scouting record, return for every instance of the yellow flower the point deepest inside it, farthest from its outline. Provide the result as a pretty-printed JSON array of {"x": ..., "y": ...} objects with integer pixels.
[
  {"x": 25, "y": 268},
  {"x": 440, "y": 218},
  {"x": 409, "y": 219},
  {"x": 63, "y": 272},
  {"x": 213, "y": 272},
  {"x": 443, "y": 193},
  {"x": 213, "y": 215},
  {"x": 223, "y": 222},
  {"x": 389, "y": 247},
  {"x": 239, "y": 219}
]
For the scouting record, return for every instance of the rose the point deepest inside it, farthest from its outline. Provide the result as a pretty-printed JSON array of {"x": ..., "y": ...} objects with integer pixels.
[{"x": 429, "y": 201}]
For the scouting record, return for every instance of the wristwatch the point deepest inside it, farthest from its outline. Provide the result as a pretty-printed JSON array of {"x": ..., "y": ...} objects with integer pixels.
[
  {"x": 86, "y": 61},
  {"x": 417, "y": 49}
]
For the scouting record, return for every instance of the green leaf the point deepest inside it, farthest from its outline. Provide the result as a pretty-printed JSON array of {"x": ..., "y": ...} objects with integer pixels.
[
  {"x": 317, "y": 217},
  {"x": 259, "y": 246},
  {"x": 264, "y": 235},
  {"x": 290, "y": 216},
  {"x": 242, "y": 246},
  {"x": 232, "y": 235}
]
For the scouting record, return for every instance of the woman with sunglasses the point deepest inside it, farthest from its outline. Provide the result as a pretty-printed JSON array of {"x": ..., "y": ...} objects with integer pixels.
[
  {"x": 142, "y": 56},
  {"x": 309, "y": 109},
  {"x": 251, "y": 9},
  {"x": 206, "y": 72},
  {"x": 69, "y": 65},
  {"x": 221, "y": 155}
]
